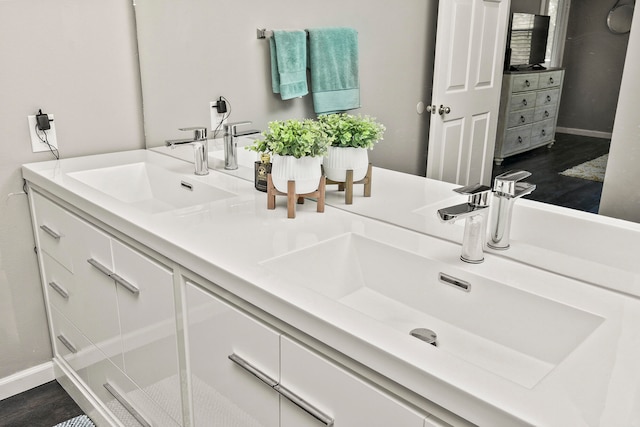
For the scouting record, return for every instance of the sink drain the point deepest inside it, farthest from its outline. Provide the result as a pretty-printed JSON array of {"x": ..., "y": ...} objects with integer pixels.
[{"x": 426, "y": 335}]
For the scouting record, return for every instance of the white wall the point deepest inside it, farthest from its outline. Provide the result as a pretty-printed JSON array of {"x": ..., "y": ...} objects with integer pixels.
[
  {"x": 620, "y": 194},
  {"x": 76, "y": 59}
]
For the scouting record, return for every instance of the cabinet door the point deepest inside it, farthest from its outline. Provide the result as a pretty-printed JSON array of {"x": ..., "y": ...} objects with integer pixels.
[
  {"x": 148, "y": 326},
  {"x": 338, "y": 394},
  {"x": 98, "y": 311},
  {"x": 53, "y": 225},
  {"x": 224, "y": 394}
]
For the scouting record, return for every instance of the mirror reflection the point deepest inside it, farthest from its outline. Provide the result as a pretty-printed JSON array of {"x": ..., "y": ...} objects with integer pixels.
[{"x": 193, "y": 52}]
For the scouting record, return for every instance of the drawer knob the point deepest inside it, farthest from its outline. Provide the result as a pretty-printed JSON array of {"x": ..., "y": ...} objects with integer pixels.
[
  {"x": 522, "y": 119},
  {"x": 543, "y": 132},
  {"x": 524, "y": 102},
  {"x": 550, "y": 80},
  {"x": 519, "y": 140},
  {"x": 527, "y": 83},
  {"x": 548, "y": 98},
  {"x": 546, "y": 113}
]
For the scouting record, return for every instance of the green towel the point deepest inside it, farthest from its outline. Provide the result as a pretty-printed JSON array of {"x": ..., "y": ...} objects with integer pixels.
[
  {"x": 289, "y": 63},
  {"x": 335, "y": 81}
]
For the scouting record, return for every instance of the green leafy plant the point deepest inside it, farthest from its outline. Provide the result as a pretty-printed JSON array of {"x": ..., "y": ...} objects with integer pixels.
[
  {"x": 293, "y": 137},
  {"x": 348, "y": 130}
]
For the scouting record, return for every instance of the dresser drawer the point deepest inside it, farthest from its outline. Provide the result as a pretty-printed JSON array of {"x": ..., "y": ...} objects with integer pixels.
[
  {"x": 550, "y": 79},
  {"x": 525, "y": 82},
  {"x": 517, "y": 139},
  {"x": 547, "y": 97},
  {"x": 545, "y": 112},
  {"x": 521, "y": 101},
  {"x": 542, "y": 132},
  {"x": 520, "y": 118}
]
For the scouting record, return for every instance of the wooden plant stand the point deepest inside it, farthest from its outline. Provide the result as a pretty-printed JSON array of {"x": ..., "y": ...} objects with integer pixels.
[
  {"x": 292, "y": 196},
  {"x": 347, "y": 186}
]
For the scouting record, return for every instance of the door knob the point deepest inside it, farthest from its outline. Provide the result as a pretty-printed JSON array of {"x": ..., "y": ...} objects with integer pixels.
[
  {"x": 443, "y": 110},
  {"x": 431, "y": 109}
]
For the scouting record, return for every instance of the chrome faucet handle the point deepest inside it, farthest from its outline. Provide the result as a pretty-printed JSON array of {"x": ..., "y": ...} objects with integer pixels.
[
  {"x": 478, "y": 194},
  {"x": 233, "y": 126},
  {"x": 506, "y": 183},
  {"x": 199, "y": 132}
]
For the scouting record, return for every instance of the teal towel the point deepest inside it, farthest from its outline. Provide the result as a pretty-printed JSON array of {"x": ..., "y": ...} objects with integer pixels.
[
  {"x": 335, "y": 81},
  {"x": 289, "y": 63}
]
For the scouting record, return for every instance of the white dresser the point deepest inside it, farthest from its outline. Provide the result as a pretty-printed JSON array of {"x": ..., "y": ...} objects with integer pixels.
[{"x": 528, "y": 111}]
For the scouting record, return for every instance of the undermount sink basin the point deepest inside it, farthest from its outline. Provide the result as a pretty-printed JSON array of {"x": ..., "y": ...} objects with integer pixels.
[
  {"x": 510, "y": 332},
  {"x": 149, "y": 187}
]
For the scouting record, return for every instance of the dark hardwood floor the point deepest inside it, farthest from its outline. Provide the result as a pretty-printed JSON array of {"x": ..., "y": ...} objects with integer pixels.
[
  {"x": 43, "y": 406},
  {"x": 546, "y": 163}
]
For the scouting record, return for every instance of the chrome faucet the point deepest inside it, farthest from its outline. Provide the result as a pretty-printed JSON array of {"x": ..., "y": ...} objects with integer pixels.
[
  {"x": 231, "y": 145},
  {"x": 506, "y": 189},
  {"x": 475, "y": 213},
  {"x": 200, "y": 147}
]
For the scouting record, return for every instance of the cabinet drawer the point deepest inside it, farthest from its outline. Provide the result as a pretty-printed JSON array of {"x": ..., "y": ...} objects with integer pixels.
[
  {"x": 54, "y": 226},
  {"x": 522, "y": 100},
  {"x": 545, "y": 112},
  {"x": 71, "y": 345},
  {"x": 339, "y": 394},
  {"x": 520, "y": 118},
  {"x": 147, "y": 322},
  {"x": 60, "y": 285},
  {"x": 550, "y": 79},
  {"x": 516, "y": 139},
  {"x": 547, "y": 97},
  {"x": 522, "y": 82},
  {"x": 223, "y": 389},
  {"x": 130, "y": 405},
  {"x": 542, "y": 132}
]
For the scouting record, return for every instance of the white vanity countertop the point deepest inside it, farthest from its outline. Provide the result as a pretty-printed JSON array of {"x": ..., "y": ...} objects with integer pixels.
[{"x": 597, "y": 384}]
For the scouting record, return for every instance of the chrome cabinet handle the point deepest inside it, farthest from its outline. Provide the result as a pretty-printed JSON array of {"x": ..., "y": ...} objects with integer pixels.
[
  {"x": 304, "y": 405},
  {"x": 253, "y": 370},
  {"x": 127, "y": 406},
  {"x": 59, "y": 289},
  {"x": 125, "y": 284},
  {"x": 67, "y": 343},
  {"x": 101, "y": 268},
  {"x": 50, "y": 232},
  {"x": 283, "y": 391}
]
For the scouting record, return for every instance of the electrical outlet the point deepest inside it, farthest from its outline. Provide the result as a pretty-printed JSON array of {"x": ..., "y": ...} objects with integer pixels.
[
  {"x": 217, "y": 119},
  {"x": 37, "y": 145}
]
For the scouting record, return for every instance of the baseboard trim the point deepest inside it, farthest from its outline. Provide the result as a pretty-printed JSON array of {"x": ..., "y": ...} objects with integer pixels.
[
  {"x": 584, "y": 132},
  {"x": 26, "y": 380}
]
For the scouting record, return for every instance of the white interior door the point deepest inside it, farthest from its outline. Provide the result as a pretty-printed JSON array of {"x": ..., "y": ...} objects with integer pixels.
[{"x": 469, "y": 58}]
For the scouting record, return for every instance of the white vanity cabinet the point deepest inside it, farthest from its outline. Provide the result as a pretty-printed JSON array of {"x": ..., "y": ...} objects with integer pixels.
[
  {"x": 112, "y": 316},
  {"x": 224, "y": 394},
  {"x": 274, "y": 381},
  {"x": 528, "y": 111}
]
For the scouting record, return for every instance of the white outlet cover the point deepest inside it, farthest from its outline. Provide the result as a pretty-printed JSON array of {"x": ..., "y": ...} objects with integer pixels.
[
  {"x": 36, "y": 143},
  {"x": 216, "y": 118}
]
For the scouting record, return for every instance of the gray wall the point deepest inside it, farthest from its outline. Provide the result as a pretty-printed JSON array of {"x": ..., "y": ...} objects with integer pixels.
[
  {"x": 193, "y": 51},
  {"x": 75, "y": 59},
  {"x": 594, "y": 58}
]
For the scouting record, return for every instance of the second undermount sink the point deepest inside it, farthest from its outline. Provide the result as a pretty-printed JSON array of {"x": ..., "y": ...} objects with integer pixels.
[
  {"x": 149, "y": 187},
  {"x": 516, "y": 334}
]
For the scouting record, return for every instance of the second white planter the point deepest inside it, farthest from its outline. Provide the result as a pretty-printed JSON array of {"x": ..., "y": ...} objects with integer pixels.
[
  {"x": 305, "y": 171},
  {"x": 340, "y": 159}
]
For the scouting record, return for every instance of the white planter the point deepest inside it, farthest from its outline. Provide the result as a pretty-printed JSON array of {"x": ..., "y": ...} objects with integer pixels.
[
  {"x": 305, "y": 171},
  {"x": 340, "y": 159}
]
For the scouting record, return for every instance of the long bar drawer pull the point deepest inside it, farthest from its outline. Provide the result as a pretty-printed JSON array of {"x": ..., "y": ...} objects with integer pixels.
[
  {"x": 304, "y": 405},
  {"x": 130, "y": 409},
  {"x": 67, "y": 343},
  {"x": 50, "y": 232},
  {"x": 59, "y": 289},
  {"x": 253, "y": 370},
  {"x": 101, "y": 268},
  {"x": 126, "y": 284}
]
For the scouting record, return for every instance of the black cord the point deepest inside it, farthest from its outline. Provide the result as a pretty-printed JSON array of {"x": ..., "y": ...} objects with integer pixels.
[
  {"x": 224, "y": 116},
  {"x": 53, "y": 149}
]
